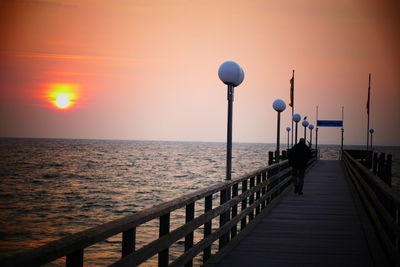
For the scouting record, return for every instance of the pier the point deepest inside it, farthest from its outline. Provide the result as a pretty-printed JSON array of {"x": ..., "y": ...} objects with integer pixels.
[
  {"x": 347, "y": 215},
  {"x": 324, "y": 227}
]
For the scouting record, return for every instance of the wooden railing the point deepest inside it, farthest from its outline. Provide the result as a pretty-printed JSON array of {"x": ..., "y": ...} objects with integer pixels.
[
  {"x": 381, "y": 203},
  {"x": 380, "y": 165},
  {"x": 241, "y": 200}
]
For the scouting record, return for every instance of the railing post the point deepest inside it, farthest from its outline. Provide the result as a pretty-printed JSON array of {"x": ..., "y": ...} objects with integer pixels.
[
  {"x": 251, "y": 199},
  {"x": 381, "y": 163},
  {"x": 207, "y": 227},
  {"x": 258, "y": 194},
  {"x": 244, "y": 204},
  {"x": 270, "y": 157},
  {"x": 284, "y": 154},
  {"x": 224, "y": 217},
  {"x": 269, "y": 186},
  {"x": 128, "y": 241},
  {"x": 375, "y": 163},
  {"x": 234, "y": 210},
  {"x": 163, "y": 256},
  {"x": 189, "y": 237},
  {"x": 263, "y": 191},
  {"x": 277, "y": 156},
  {"x": 388, "y": 170},
  {"x": 75, "y": 259},
  {"x": 397, "y": 222}
]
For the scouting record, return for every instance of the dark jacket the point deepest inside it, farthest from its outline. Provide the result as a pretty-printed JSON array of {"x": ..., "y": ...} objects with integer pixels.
[{"x": 299, "y": 155}]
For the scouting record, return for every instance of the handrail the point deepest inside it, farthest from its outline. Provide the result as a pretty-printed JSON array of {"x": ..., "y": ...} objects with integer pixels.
[
  {"x": 387, "y": 190},
  {"x": 257, "y": 191},
  {"x": 164, "y": 242},
  {"x": 382, "y": 204}
]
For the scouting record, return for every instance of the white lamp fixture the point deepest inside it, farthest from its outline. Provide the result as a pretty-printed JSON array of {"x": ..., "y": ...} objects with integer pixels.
[{"x": 230, "y": 73}]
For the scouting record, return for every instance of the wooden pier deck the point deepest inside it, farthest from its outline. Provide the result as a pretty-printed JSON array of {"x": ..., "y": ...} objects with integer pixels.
[{"x": 326, "y": 226}]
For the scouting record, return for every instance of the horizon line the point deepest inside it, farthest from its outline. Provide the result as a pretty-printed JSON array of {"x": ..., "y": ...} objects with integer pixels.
[{"x": 184, "y": 141}]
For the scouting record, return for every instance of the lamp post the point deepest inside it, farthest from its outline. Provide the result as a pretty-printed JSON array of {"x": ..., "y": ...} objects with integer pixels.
[
  {"x": 311, "y": 127},
  {"x": 288, "y": 130},
  {"x": 279, "y": 105},
  {"x": 371, "y": 131},
  {"x": 296, "y": 118},
  {"x": 305, "y": 124},
  {"x": 231, "y": 74}
]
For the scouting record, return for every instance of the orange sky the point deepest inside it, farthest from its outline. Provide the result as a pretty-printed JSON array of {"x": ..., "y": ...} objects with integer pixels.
[{"x": 148, "y": 69}]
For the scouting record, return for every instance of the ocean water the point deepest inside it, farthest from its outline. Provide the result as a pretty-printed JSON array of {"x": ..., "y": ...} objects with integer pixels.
[{"x": 50, "y": 188}]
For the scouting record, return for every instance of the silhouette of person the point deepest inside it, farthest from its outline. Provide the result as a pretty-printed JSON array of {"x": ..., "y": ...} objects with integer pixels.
[{"x": 299, "y": 156}]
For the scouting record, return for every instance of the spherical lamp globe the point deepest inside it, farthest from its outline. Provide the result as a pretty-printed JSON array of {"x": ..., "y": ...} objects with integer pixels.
[
  {"x": 371, "y": 131},
  {"x": 311, "y": 126},
  {"x": 279, "y": 105},
  {"x": 304, "y": 123},
  {"x": 230, "y": 73},
  {"x": 296, "y": 117},
  {"x": 288, "y": 129}
]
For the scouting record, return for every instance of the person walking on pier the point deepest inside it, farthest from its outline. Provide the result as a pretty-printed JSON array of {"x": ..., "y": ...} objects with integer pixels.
[{"x": 298, "y": 159}]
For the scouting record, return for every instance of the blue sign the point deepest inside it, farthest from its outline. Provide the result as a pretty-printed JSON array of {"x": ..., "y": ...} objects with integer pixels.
[{"x": 327, "y": 123}]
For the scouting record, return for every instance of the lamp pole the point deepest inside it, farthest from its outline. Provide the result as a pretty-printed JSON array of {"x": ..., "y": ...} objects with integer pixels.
[
  {"x": 288, "y": 131},
  {"x": 296, "y": 118},
  {"x": 279, "y": 105},
  {"x": 371, "y": 131},
  {"x": 231, "y": 74},
  {"x": 311, "y": 127},
  {"x": 305, "y": 124}
]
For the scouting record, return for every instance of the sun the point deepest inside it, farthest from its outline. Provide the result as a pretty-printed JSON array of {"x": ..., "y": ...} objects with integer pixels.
[
  {"x": 62, "y": 100},
  {"x": 62, "y": 96}
]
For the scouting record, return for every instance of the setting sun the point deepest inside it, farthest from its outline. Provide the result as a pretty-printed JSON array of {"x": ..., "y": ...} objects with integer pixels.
[
  {"x": 62, "y": 100},
  {"x": 62, "y": 96}
]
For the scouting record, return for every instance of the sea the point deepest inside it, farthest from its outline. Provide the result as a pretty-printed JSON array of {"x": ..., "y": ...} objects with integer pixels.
[{"x": 50, "y": 188}]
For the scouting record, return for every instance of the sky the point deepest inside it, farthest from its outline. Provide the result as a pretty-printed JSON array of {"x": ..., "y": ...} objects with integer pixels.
[{"x": 148, "y": 69}]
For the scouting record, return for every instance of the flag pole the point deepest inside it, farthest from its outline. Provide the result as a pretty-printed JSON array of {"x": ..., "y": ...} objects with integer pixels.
[
  {"x": 368, "y": 107},
  {"x": 341, "y": 147},
  {"x": 292, "y": 102},
  {"x": 316, "y": 132}
]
